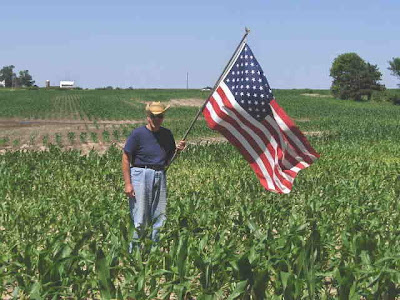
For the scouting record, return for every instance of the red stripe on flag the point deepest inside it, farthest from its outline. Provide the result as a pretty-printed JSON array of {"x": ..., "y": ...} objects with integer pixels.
[
  {"x": 293, "y": 128},
  {"x": 232, "y": 139},
  {"x": 294, "y": 147},
  {"x": 262, "y": 135},
  {"x": 285, "y": 143},
  {"x": 260, "y": 153},
  {"x": 281, "y": 145}
]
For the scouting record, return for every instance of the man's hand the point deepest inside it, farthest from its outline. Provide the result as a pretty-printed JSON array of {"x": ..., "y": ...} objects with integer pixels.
[
  {"x": 129, "y": 191},
  {"x": 181, "y": 145}
]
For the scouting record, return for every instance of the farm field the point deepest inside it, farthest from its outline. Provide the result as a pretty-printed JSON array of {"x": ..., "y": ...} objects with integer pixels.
[
  {"x": 64, "y": 221},
  {"x": 81, "y": 119}
]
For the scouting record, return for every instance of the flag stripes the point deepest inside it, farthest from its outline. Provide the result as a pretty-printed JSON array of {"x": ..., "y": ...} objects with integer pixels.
[{"x": 275, "y": 149}]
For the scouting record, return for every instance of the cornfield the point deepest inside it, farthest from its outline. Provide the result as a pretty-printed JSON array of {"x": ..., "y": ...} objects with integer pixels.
[{"x": 65, "y": 227}]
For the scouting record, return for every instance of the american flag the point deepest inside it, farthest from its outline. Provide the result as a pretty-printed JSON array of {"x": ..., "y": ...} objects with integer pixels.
[{"x": 243, "y": 109}]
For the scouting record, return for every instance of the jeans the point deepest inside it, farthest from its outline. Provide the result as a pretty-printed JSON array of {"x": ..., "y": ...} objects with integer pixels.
[{"x": 149, "y": 204}]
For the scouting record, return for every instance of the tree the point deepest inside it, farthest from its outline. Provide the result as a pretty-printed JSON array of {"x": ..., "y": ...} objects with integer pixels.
[
  {"x": 25, "y": 79},
  {"x": 353, "y": 77},
  {"x": 7, "y": 74},
  {"x": 394, "y": 66}
]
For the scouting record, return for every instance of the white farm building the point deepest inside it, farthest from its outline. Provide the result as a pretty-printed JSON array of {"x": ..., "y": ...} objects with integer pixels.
[{"x": 67, "y": 84}]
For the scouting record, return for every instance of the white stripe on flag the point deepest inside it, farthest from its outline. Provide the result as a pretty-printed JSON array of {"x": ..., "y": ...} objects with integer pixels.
[
  {"x": 291, "y": 135},
  {"x": 273, "y": 161},
  {"x": 262, "y": 128},
  {"x": 243, "y": 142},
  {"x": 284, "y": 145}
]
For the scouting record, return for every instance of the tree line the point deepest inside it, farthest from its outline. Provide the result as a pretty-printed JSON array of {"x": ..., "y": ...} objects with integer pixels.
[
  {"x": 354, "y": 78},
  {"x": 24, "y": 79}
]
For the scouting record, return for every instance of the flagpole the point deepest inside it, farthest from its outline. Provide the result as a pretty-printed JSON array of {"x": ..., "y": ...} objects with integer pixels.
[{"x": 227, "y": 67}]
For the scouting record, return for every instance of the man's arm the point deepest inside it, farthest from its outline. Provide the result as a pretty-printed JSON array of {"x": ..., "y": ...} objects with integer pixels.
[{"x": 126, "y": 172}]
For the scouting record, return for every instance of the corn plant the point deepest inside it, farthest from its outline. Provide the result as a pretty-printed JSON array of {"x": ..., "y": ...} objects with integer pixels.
[
  {"x": 45, "y": 140},
  {"x": 116, "y": 135},
  {"x": 94, "y": 137},
  {"x": 83, "y": 137},
  {"x": 71, "y": 137},
  {"x": 58, "y": 138},
  {"x": 106, "y": 135}
]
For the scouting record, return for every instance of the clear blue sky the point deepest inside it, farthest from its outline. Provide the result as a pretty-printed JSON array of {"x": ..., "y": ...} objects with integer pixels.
[{"x": 148, "y": 44}]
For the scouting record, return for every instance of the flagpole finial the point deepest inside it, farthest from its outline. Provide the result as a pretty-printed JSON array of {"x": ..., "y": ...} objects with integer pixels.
[{"x": 247, "y": 30}]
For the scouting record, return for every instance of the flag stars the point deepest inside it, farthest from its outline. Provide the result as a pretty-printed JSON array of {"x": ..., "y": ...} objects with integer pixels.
[{"x": 249, "y": 86}]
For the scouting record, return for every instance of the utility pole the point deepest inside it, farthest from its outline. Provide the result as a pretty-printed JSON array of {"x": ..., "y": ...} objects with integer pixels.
[{"x": 187, "y": 80}]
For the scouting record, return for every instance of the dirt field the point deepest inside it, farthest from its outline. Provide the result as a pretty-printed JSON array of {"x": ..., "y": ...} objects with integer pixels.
[
  {"x": 36, "y": 134},
  {"x": 82, "y": 134}
]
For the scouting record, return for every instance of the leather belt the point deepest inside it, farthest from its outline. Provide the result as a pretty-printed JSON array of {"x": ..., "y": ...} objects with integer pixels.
[{"x": 153, "y": 167}]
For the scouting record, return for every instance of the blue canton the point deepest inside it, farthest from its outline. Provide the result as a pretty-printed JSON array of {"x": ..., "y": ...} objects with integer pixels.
[{"x": 248, "y": 84}]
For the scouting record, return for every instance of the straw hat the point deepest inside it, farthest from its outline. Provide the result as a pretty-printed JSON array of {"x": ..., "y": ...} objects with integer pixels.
[{"x": 156, "y": 108}]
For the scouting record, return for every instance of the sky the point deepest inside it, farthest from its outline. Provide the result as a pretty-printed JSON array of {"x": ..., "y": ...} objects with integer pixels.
[{"x": 155, "y": 44}]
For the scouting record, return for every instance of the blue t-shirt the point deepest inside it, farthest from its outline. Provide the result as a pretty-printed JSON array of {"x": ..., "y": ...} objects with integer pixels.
[{"x": 150, "y": 148}]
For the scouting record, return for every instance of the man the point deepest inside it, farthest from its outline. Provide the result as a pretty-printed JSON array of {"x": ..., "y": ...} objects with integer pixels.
[{"x": 146, "y": 153}]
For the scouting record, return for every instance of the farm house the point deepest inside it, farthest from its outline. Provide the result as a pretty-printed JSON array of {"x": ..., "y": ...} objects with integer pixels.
[{"x": 67, "y": 84}]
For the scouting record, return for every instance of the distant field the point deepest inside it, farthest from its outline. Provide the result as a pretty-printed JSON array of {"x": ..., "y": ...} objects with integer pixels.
[
  {"x": 76, "y": 119},
  {"x": 33, "y": 119},
  {"x": 85, "y": 104},
  {"x": 64, "y": 222}
]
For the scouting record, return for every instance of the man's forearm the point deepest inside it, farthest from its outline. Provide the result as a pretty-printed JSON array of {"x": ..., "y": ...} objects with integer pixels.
[{"x": 126, "y": 168}]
